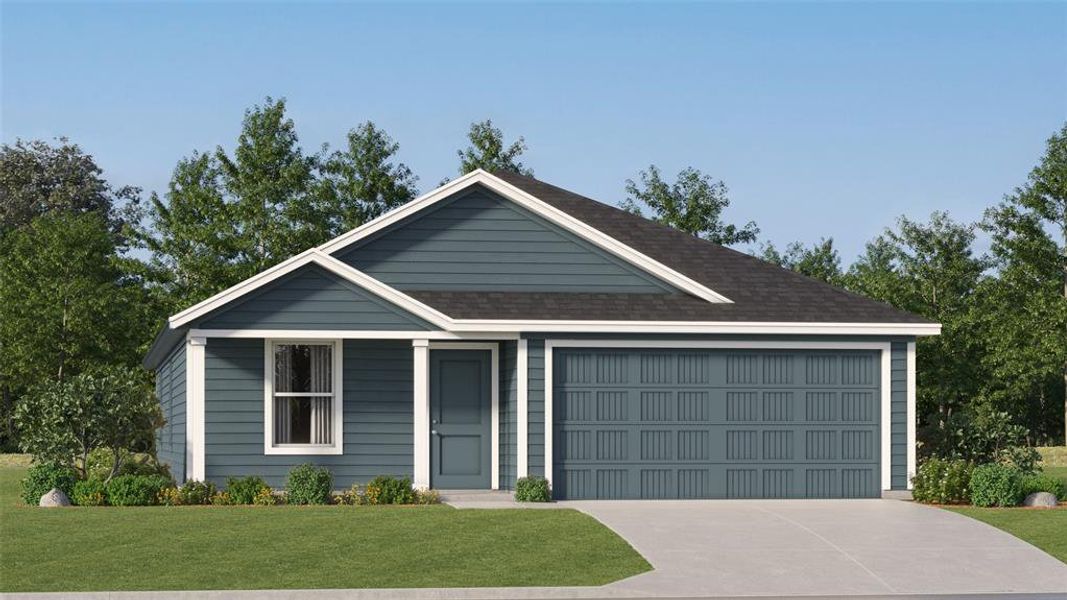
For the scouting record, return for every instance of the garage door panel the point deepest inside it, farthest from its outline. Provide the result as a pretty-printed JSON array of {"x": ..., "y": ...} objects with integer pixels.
[{"x": 716, "y": 424}]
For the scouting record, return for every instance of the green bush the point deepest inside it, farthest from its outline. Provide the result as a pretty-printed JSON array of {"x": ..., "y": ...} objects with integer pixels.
[
  {"x": 389, "y": 490},
  {"x": 89, "y": 492},
  {"x": 169, "y": 496},
  {"x": 136, "y": 490},
  {"x": 1039, "y": 482},
  {"x": 243, "y": 490},
  {"x": 265, "y": 497},
  {"x": 427, "y": 497},
  {"x": 996, "y": 484},
  {"x": 308, "y": 484},
  {"x": 196, "y": 492},
  {"x": 101, "y": 461},
  {"x": 44, "y": 476},
  {"x": 222, "y": 499},
  {"x": 533, "y": 489},
  {"x": 942, "y": 481}
]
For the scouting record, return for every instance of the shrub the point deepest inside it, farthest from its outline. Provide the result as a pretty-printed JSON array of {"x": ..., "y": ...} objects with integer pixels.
[
  {"x": 983, "y": 435},
  {"x": 89, "y": 492},
  {"x": 533, "y": 489},
  {"x": 243, "y": 490},
  {"x": 350, "y": 497},
  {"x": 221, "y": 499},
  {"x": 389, "y": 490},
  {"x": 995, "y": 484},
  {"x": 169, "y": 496},
  {"x": 308, "y": 484},
  {"x": 101, "y": 461},
  {"x": 265, "y": 497},
  {"x": 943, "y": 481},
  {"x": 1039, "y": 482},
  {"x": 196, "y": 492},
  {"x": 427, "y": 497},
  {"x": 44, "y": 476},
  {"x": 136, "y": 490}
]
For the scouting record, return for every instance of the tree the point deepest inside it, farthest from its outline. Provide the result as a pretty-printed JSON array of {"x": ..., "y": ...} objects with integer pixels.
[
  {"x": 66, "y": 304},
  {"x": 37, "y": 178},
  {"x": 488, "y": 151},
  {"x": 930, "y": 269},
  {"x": 821, "y": 261},
  {"x": 362, "y": 182},
  {"x": 112, "y": 408},
  {"x": 693, "y": 204}
]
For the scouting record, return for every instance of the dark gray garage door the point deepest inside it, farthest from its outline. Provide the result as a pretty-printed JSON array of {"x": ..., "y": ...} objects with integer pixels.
[{"x": 632, "y": 423}]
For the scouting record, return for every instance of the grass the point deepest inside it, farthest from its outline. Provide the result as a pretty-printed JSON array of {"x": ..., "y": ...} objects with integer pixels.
[
  {"x": 292, "y": 547},
  {"x": 1044, "y": 528}
]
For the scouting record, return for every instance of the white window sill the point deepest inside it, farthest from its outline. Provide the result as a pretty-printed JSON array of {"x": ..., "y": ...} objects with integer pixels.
[{"x": 303, "y": 450}]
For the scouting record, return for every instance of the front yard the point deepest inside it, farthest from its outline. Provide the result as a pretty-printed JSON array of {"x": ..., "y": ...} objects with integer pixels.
[{"x": 234, "y": 547}]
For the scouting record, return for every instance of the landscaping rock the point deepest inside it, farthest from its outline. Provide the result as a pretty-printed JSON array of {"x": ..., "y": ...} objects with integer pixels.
[
  {"x": 1042, "y": 499},
  {"x": 55, "y": 497}
]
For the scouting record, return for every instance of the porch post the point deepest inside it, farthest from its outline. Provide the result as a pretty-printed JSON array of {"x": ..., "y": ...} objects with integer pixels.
[
  {"x": 421, "y": 364},
  {"x": 194, "y": 390},
  {"x": 912, "y": 420},
  {"x": 523, "y": 410}
]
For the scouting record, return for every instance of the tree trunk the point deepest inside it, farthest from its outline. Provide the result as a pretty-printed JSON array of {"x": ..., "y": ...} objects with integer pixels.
[{"x": 9, "y": 415}]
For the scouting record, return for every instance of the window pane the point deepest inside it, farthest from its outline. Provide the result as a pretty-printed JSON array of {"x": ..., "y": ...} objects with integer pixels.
[
  {"x": 303, "y": 420},
  {"x": 303, "y": 368}
]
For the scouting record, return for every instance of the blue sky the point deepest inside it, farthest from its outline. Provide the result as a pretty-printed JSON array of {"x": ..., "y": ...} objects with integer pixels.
[{"x": 823, "y": 119}]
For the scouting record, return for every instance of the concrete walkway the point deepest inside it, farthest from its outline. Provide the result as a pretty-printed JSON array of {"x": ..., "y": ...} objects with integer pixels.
[{"x": 809, "y": 547}]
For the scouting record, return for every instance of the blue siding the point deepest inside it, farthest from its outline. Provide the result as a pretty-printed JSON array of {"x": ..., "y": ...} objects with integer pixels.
[
  {"x": 313, "y": 298},
  {"x": 170, "y": 390},
  {"x": 898, "y": 407},
  {"x": 536, "y": 406},
  {"x": 479, "y": 241},
  {"x": 378, "y": 430},
  {"x": 508, "y": 414}
]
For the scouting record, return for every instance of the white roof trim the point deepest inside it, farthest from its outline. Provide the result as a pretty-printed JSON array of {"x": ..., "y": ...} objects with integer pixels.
[
  {"x": 327, "y": 262},
  {"x": 540, "y": 208},
  {"x": 701, "y": 327}
]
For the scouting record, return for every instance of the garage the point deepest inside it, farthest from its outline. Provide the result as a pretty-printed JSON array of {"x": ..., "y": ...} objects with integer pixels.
[{"x": 676, "y": 423}]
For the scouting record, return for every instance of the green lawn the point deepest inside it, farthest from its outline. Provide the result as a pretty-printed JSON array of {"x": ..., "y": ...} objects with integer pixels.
[
  {"x": 179, "y": 548},
  {"x": 1044, "y": 528}
]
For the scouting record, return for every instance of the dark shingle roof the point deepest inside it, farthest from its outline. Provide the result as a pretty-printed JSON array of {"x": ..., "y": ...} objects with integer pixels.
[{"x": 760, "y": 291}]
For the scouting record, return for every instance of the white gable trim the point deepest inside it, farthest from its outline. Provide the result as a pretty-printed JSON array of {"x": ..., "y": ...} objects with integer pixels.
[
  {"x": 538, "y": 207},
  {"x": 313, "y": 256},
  {"x": 704, "y": 327}
]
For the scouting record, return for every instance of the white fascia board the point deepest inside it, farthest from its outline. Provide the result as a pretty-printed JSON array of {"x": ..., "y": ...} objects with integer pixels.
[
  {"x": 701, "y": 327},
  {"x": 540, "y": 208},
  {"x": 349, "y": 334},
  {"x": 342, "y": 270}
]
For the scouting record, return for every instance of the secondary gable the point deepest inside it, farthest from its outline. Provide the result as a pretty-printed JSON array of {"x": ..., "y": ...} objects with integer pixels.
[
  {"x": 479, "y": 241},
  {"x": 313, "y": 298}
]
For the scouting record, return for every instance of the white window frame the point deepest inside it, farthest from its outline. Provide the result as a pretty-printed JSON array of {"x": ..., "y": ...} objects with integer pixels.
[{"x": 269, "y": 447}]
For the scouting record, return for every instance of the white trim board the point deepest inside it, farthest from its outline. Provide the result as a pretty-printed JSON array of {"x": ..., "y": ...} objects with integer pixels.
[
  {"x": 195, "y": 377},
  {"x": 538, "y": 207},
  {"x": 885, "y": 383},
  {"x": 349, "y": 334},
  {"x": 522, "y": 409},
  {"x": 912, "y": 423},
  {"x": 694, "y": 327}
]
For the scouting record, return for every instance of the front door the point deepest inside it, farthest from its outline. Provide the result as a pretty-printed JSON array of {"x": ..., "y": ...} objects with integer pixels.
[{"x": 460, "y": 408}]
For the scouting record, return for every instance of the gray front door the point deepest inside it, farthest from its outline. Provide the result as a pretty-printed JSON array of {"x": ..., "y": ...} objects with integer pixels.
[{"x": 460, "y": 409}]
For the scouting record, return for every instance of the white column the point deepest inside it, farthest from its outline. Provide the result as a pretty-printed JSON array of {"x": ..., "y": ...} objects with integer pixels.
[
  {"x": 549, "y": 452},
  {"x": 194, "y": 406},
  {"x": 522, "y": 409},
  {"x": 494, "y": 422},
  {"x": 887, "y": 417},
  {"x": 421, "y": 363},
  {"x": 912, "y": 421}
]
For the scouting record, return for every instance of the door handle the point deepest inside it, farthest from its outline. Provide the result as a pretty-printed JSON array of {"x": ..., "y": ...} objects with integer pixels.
[{"x": 433, "y": 432}]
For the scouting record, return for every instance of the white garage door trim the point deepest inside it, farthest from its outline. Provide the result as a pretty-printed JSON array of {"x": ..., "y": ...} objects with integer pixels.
[{"x": 886, "y": 382}]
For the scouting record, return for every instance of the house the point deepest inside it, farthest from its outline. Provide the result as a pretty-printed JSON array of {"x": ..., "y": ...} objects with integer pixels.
[{"x": 499, "y": 327}]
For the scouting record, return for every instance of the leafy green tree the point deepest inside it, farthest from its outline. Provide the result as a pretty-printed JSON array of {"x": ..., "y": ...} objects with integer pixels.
[
  {"x": 1023, "y": 309},
  {"x": 66, "y": 303},
  {"x": 488, "y": 151},
  {"x": 362, "y": 182},
  {"x": 821, "y": 261},
  {"x": 693, "y": 204},
  {"x": 113, "y": 408},
  {"x": 37, "y": 178},
  {"x": 930, "y": 269}
]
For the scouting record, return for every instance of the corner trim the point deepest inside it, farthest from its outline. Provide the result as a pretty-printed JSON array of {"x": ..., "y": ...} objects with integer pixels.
[
  {"x": 195, "y": 361},
  {"x": 522, "y": 409},
  {"x": 912, "y": 415}
]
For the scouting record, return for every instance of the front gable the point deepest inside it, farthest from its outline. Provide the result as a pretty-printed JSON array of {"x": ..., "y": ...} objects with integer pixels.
[
  {"x": 480, "y": 241},
  {"x": 312, "y": 298}
]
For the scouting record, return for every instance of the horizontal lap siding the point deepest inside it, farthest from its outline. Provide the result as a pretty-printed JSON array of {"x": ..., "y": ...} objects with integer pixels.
[
  {"x": 313, "y": 298},
  {"x": 508, "y": 415},
  {"x": 482, "y": 242},
  {"x": 536, "y": 406},
  {"x": 899, "y": 416},
  {"x": 378, "y": 410},
  {"x": 170, "y": 390}
]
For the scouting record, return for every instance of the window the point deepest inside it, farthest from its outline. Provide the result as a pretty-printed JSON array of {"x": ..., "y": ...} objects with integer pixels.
[{"x": 303, "y": 404}]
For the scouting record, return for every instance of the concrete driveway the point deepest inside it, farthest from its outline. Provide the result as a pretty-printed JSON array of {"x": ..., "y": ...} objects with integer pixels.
[{"x": 809, "y": 547}]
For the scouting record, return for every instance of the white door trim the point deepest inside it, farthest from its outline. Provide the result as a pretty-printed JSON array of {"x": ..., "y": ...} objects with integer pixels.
[
  {"x": 885, "y": 383},
  {"x": 494, "y": 403}
]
